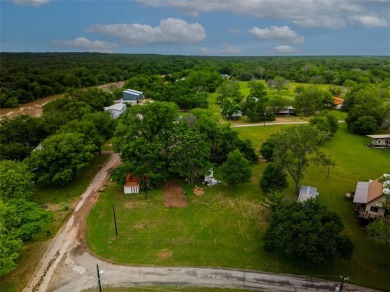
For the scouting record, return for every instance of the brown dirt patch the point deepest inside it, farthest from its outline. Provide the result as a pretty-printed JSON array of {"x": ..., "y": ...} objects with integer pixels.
[
  {"x": 130, "y": 204},
  {"x": 164, "y": 254},
  {"x": 173, "y": 196},
  {"x": 198, "y": 191}
]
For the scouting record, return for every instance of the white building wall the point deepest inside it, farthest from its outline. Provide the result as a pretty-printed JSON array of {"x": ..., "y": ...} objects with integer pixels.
[
  {"x": 376, "y": 203},
  {"x": 131, "y": 190}
]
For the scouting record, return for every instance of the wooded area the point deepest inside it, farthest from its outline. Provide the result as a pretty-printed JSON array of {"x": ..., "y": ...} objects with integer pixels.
[{"x": 28, "y": 76}]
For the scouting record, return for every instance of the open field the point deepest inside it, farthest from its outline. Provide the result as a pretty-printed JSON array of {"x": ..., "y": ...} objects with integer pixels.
[
  {"x": 224, "y": 227},
  {"x": 287, "y": 93},
  {"x": 60, "y": 203}
]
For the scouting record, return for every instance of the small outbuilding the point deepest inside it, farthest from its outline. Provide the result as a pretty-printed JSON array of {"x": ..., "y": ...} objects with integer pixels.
[
  {"x": 307, "y": 193},
  {"x": 131, "y": 185},
  {"x": 380, "y": 141}
]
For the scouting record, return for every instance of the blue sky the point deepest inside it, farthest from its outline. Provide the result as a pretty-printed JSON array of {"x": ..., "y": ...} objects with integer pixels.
[{"x": 198, "y": 27}]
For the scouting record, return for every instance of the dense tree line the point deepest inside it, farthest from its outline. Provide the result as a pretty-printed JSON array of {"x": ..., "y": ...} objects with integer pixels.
[
  {"x": 63, "y": 140},
  {"x": 25, "y": 77},
  {"x": 20, "y": 218}
]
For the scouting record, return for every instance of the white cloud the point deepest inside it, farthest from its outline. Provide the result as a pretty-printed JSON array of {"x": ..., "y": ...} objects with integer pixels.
[
  {"x": 369, "y": 21},
  {"x": 284, "y": 49},
  {"x": 86, "y": 45},
  {"x": 332, "y": 14},
  {"x": 282, "y": 33},
  {"x": 227, "y": 50},
  {"x": 35, "y": 3},
  {"x": 170, "y": 30}
]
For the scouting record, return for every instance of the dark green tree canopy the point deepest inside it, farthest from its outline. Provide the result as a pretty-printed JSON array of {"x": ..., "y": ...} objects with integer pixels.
[
  {"x": 189, "y": 152},
  {"x": 326, "y": 123},
  {"x": 15, "y": 180},
  {"x": 310, "y": 100},
  {"x": 308, "y": 231},
  {"x": 94, "y": 97},
  {"x": 236, "y": 169},
  {"x": 60, "y": 158},
  {"x": 274, "y": 178},
  {"x": 292, "y": 148},
  {"x": 19, "y": 136}
]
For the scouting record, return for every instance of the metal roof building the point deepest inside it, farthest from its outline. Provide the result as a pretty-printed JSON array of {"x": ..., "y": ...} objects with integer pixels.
[
  {"x": 307, "y": 193},
  {"x": 132, "y": 95}
]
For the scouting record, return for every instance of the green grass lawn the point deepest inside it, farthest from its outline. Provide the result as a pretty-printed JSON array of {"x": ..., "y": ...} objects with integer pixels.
[
  {"x": 224, "y": 227},
  {"x": 60, "y": 202}
]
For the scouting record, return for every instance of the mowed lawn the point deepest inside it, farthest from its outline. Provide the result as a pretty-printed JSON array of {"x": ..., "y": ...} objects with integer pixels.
[{"x": 224, "y": 227}]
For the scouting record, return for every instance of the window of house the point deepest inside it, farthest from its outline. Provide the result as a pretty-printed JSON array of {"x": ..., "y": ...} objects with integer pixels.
[{"x": 374, "y": 209}]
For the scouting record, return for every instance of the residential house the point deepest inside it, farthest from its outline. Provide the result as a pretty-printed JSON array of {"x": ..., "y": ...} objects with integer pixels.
[
  {"x": 369, "y": 197},
  {"x": 381, "y": 141},
  {"x": 338, "y": 102},
  {"x": 306, "y": 193},
  {"x": 131, "y": 185},
  {"x": 287, "y": 110},
  {"x": 116, "y": 109}
]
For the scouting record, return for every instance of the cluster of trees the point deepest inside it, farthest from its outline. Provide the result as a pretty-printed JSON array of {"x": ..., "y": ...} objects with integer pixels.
[
  {"x": 305, "y": 230},
  {"x": 49, "y": 150},
  {"x": 308, "y": 231},
  {"x": 291, "y": 150},
  {"x": 187, "y": 88},
  {"x": 27, "y": 76},
  {"x": 367, "y": 109},
  {"x": 63, "y": 140},
  {"x": 155, "y": 142},
  {"x": 256, "y": 106},
  {"x": 20, "y": 218}
]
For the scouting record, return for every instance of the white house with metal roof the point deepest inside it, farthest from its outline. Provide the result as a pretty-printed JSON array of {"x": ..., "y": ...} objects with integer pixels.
[
  {"x": 380, "y": 140},
  {"x": 116, "y": 109},
  {"x": 370, "y": 196}
]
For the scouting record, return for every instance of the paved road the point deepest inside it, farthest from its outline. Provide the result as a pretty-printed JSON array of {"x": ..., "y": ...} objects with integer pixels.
[
  {"x": 273, "y": 124},
  {"x": 68, "y": 266}
]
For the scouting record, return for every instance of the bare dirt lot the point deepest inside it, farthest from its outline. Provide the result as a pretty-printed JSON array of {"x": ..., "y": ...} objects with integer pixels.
[{"x": 173, "y": 196}]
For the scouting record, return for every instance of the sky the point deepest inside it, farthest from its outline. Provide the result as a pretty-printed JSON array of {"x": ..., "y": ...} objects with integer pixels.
[{"x": 197, "y": 27}]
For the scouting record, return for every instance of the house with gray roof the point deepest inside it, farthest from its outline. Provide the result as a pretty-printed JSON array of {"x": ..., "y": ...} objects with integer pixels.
[{"x": 370, "y": 195}]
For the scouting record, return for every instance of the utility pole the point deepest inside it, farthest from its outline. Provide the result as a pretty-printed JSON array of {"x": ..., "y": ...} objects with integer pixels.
[
  {"x": 98, "y": 274},
  {"x": 116, "y": 228},
  {"x": 146, "y": 195}
]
